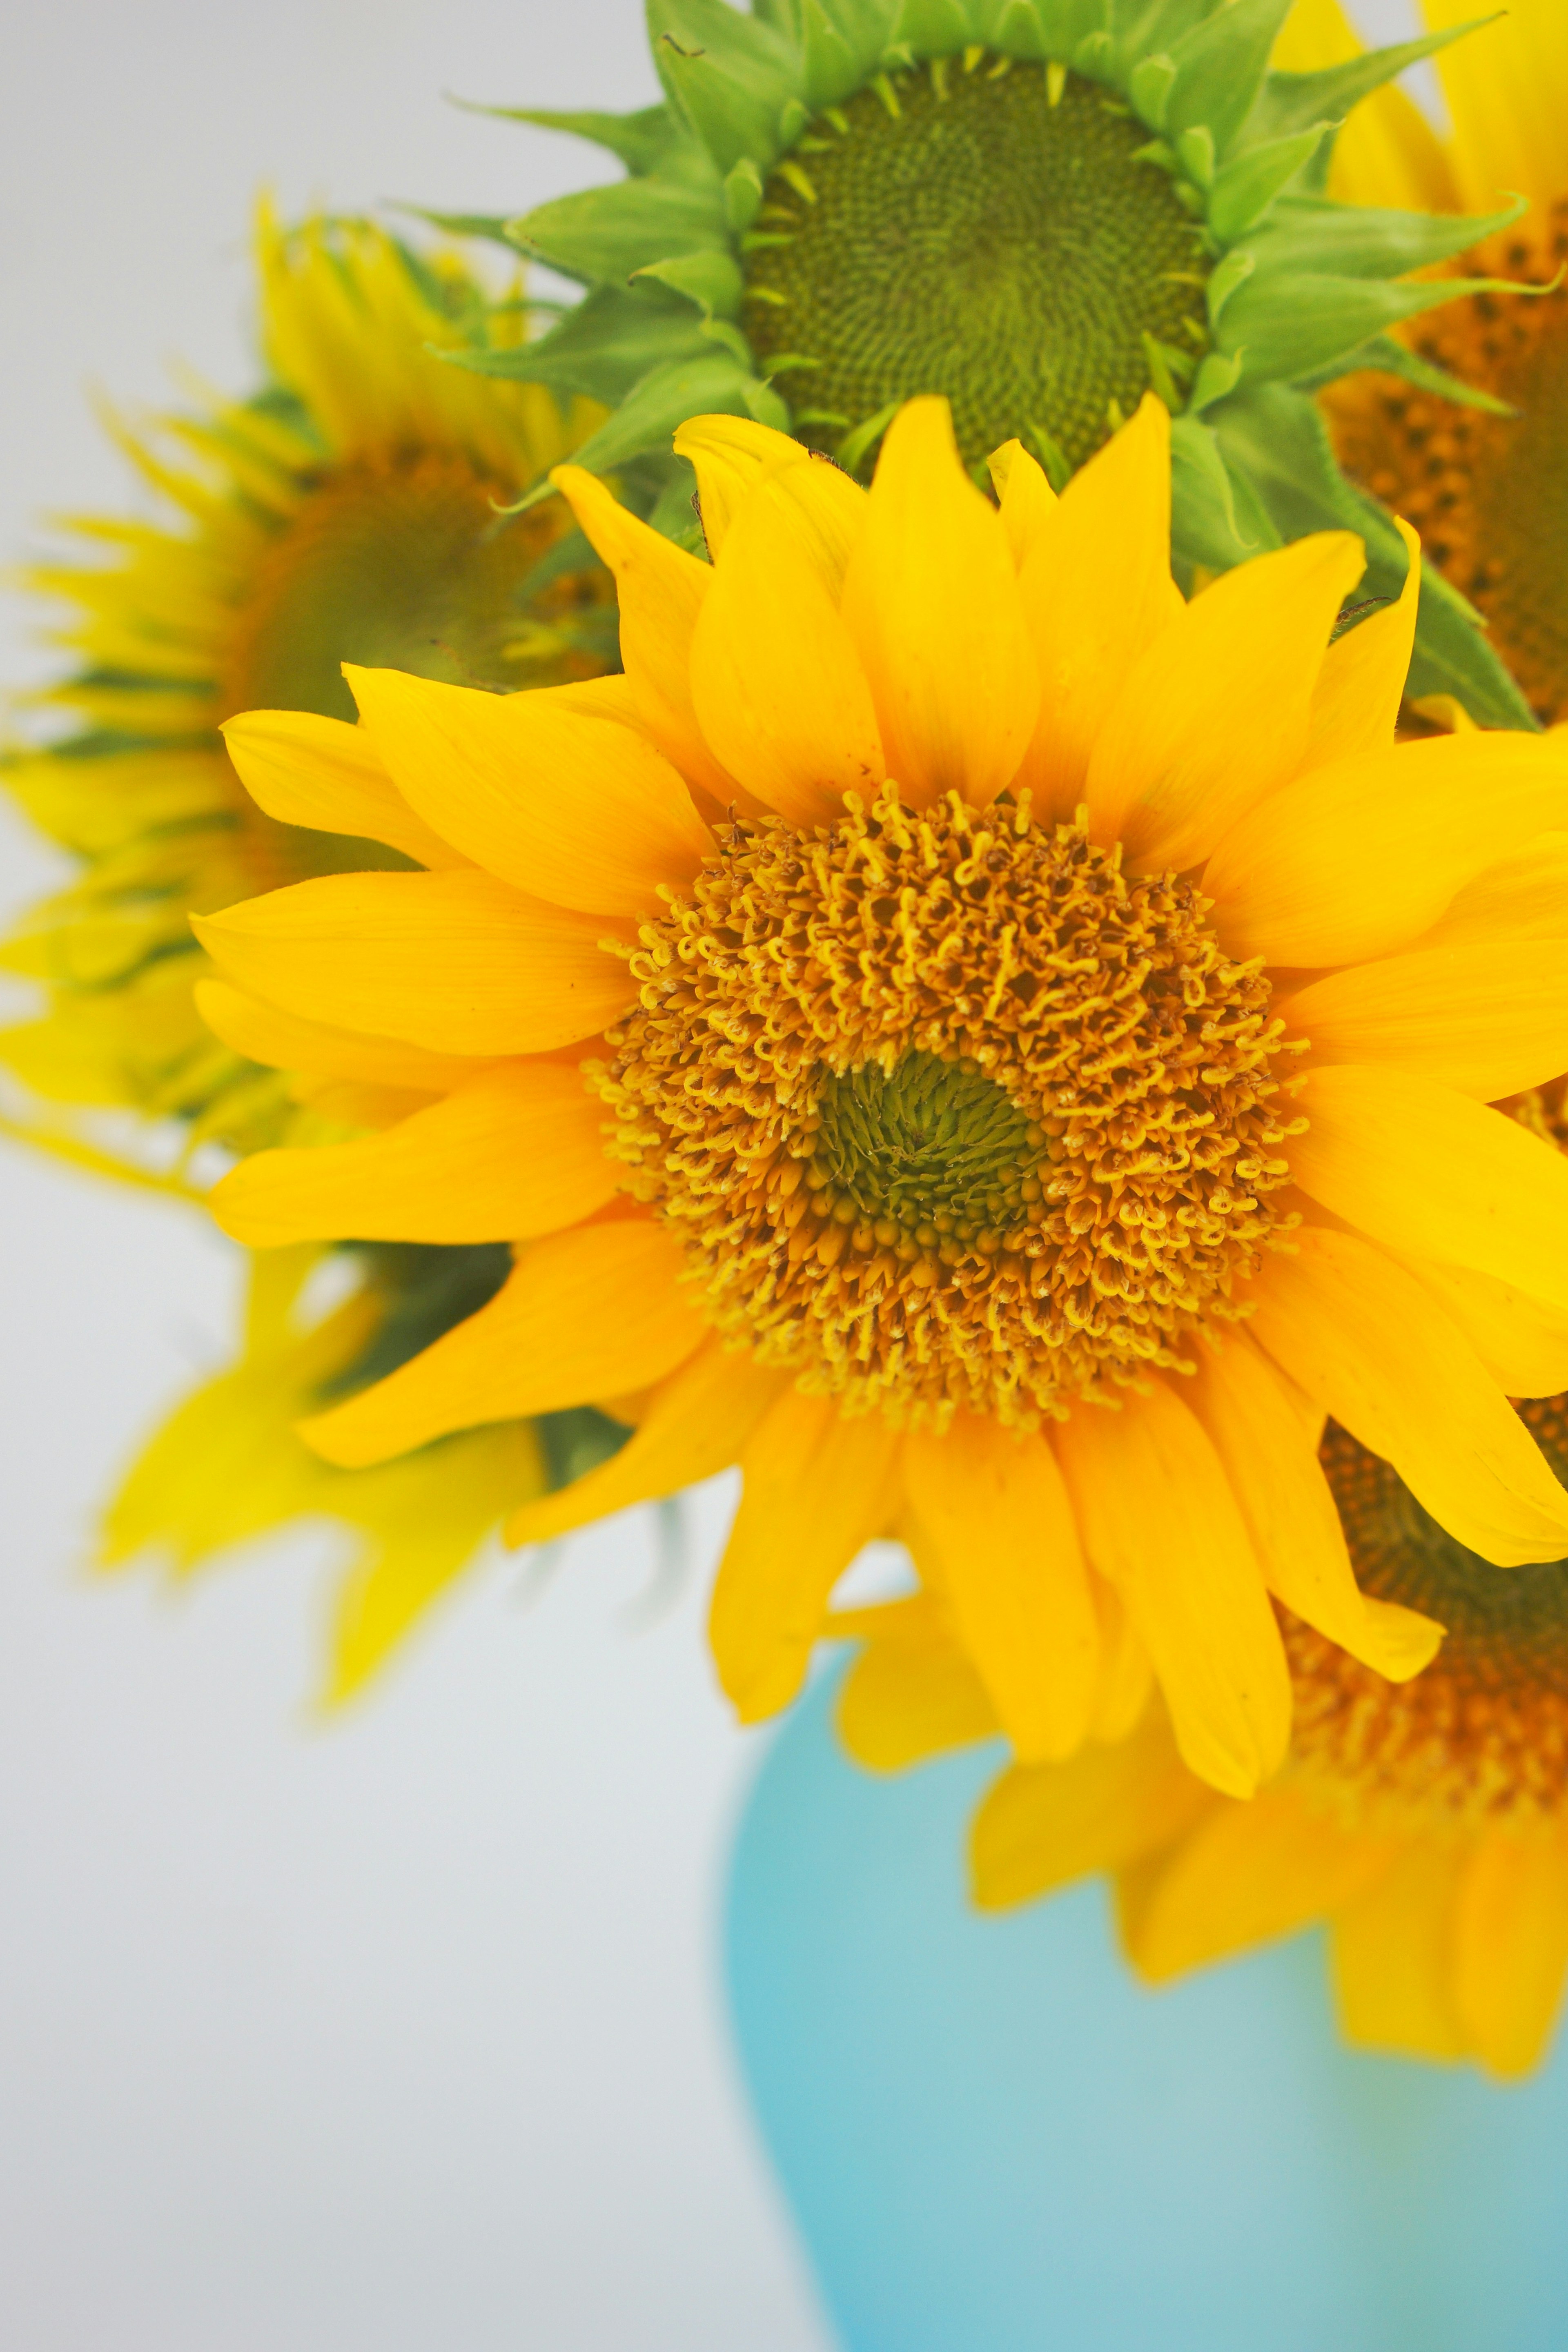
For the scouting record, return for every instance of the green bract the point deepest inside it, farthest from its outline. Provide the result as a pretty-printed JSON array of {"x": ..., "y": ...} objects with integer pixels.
[{"x": 1042, "y": 208}]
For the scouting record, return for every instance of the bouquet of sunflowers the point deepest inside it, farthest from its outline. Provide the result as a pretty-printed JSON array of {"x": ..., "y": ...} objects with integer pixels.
[{"x": 919, "y": 847}]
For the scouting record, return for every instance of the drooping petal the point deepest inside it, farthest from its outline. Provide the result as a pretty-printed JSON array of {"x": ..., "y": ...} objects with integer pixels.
[
  {"x": 695, "y": 1425},
  {"x": 1272, "y": 1464},
  {"x": 1096, "y": 585},
  {"x": 1244, "y": 1875},
  {"x": 329, "y": 776},
  {"x": 1041, "y": 1826},
  {"x": 1360, "y": 857},
  {"x": 1421, "y": 1167},
  {"x": 538, "y": 789},
  {"x": 660, "y": 589},
  {"x": 1374, "y": 1348},
  {"x": 1391, "y": 1946},
  {"x": 596, "y": 1312},
  {"x": 1487, "y": 1020},
  {"x": 731, "y": 456},
  {"x": 1523, "y": 1342},
  {"x": 456, "y": 963},
  {"x": 1511, "y": 1946},
  {"x": 512, "y": 1154},
  {"x": 777, "y": 682},
  {"x": 818, "y": 1487},
  {"x": 285, "y": 1041},
  {"x": 912, "y": 1693},
  {"x": 1361, "y": 683},
  {"x": 1213, "y": 717},
  {"x": 932, "y": 602},
  {"x": 996, "y": 1513},
  {"x": 1159, "y": 1520}
]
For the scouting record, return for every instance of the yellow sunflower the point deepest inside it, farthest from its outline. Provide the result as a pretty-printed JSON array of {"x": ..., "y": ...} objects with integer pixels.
[
  {"x": 991, "y": 1048},
  {"x": 1486, "y": 486}
]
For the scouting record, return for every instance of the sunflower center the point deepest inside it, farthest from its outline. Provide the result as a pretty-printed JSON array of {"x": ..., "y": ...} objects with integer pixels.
[
  {"x": 1484, "y": 1730},
  {"x": 948, "y": 1109},
  {"x": 1489, "y": 494},
  {"x": 403, "y": 565},
  {"x": 984, "y": 229}
]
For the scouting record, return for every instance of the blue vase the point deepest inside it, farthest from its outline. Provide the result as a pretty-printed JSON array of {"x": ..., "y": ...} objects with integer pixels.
[{"x": 993, "y": 2140}]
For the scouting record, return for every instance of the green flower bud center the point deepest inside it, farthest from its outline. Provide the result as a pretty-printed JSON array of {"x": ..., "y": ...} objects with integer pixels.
[
  {"x": 990, "y": 230},
  {"x": 933, "y": 1145}
]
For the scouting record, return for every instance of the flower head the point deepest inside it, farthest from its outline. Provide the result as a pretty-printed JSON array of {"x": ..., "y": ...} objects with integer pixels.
[{"x": 991, "y": 1046}]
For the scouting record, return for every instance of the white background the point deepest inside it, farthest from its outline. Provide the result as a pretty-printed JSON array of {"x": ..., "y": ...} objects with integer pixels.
[{"x": 403, "y": 2034}]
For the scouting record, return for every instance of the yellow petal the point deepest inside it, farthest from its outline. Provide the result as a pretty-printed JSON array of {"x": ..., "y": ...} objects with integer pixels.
[
  {"x": 932, "y": 602},
  {"x": 1523, "y": 1342},
  {"x": 1507, "y": 92},
  {"x": 1523, "y": 897},
  {"x": 1371, "y": 1346},
  {"x": 1159, "y": 1520},
  {"x": 592, "y": 1313},
  {"x": 1511, "y": 1946},
  {"x": 1272, "y": 1464},
  {"x": 573, "y": 808},
  {"x": 328, "y": 776},
  {"x": 1098, "y": 593},
  {"x": 1423, "y": 1169},
  {"x": 1127, "y": 1672},
  {"x": 660, "y": 589},
  {"x": 731, "y": 454},
  {"x": 1214, "y": 717},
  {"x": 694, "y": 1427},
  {"x": 912, "y": 1693},
  {"x": 1041, "y": 1826},
  {"x": 1391, "y": 1956},
  {"x": 284, "y": 1041},
  {"x": 1245, "y": 1874},
  {"x": 512, "y": 1154},
  {"x": 996, "y": 1511},
  {"x": 1487, "y": 1020},
  {"x": 1360, "y": 857},
  {"x": 775, "y": 679},
  {"x": 816, "y": 1488},
  {"x": 1025, "y": 499},
  {"x": 1361, "y": 683},
  {"x": 456, "y": 963}
]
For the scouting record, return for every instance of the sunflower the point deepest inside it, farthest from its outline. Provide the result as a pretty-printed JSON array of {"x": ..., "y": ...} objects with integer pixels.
[
  {"x": 1040, "y": 208},
  {"x": 990, "y": 1046},
  {"x": 1488, "y": 486},
  {"x": 348, "y": 508}
]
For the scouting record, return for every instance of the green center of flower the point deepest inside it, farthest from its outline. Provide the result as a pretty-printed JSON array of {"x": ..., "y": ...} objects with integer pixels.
[
  {"x": 990, "y": 230},
  {"x": 932, "y": 1147}
]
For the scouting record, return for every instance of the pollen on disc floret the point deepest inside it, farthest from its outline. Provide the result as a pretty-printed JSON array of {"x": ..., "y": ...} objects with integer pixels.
[{"x": 948, "y": 1109}]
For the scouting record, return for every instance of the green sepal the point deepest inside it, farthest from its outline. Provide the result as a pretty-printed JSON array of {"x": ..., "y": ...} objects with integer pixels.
[
  {"x": 1220, "y": 69},
  {"x": 1387, "y": 355},
  {"x": 1215, "y": 520},
  {"x": 713, "y": 386},
  {"x": 779, "y": 15},
  {"x": 866, "y": 25},
  {"x": 1278, "y": 437},
  {"x": 743, "y": 194},
  {"x": 1014, "y": 28},
  {"x": 1149, "y": 86},
  {"x": 1315, "y": 235},
  {"x": 604, "y": 234},
  {"x": 1298, "y": 324},
  {"x": 643, "y": 142},
  {"x": 488, "y": 225},
  {"x": 711, "y": 281},
  {"x": 1245, "y": 188},
  {"x": 933, "y": 28},
  {"x": 730, "y": 75},
  {"x": 1068, "y": 24},
  {"x": 833, "y": 71},
  {"x": 1142, "y": 28},
  {"x": 1224, "y": 279},
  {"x": 1291, "y": 102},
  {"x": 1218, "y": 374},
  {"x": 613, "y": 338}
]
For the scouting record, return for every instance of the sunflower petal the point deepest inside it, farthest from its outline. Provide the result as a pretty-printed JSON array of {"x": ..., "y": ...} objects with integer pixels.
[
  {"x": 1523, "y": 1342},
  {"x": 1041, "y": 1826},
  {"x": 328, "y": 776},
  {"x": 1523, "y": 897},
  {"x": 932, "y": 602},
  {"x": 1511, "y": 1946},
  {"x": 456, "y": 963},
  {"x": 731, "y": 456},
  {"x": 816, "y": 1488},
  {"x": 910, "y": 1693},
  {"x": 1361, "y": 683},
  {"x": 1487, "y": 1020},
  {"x": 996, "y": 1513},
  {"x": 573, "y": 808},
  {"x": 1507, "y": 95},
  {"x": 512, "y": 1154},
  {"x": 1390, "y": 1954},
  {"x": 1370, "y": 1345},
  {"x": 1026, "y": 499},
  {"x": 1159, "y": 1520},
  {"x": 285, "y": 1041},
  {"x": 593, "y": 1313}
]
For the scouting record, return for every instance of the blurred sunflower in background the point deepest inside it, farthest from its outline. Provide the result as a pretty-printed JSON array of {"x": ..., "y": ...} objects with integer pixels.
[
  {"x": 349, "y": 510},
  {"x": 1486, "y": 487},
  {"x": 994, "y": 1048}
]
